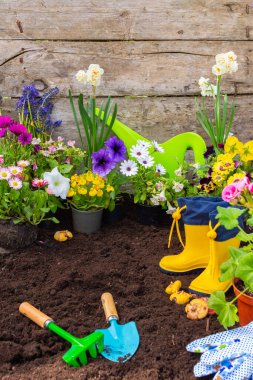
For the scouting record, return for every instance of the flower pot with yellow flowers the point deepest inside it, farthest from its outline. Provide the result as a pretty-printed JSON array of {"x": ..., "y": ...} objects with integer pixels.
[{"x": 88, "y": 195}]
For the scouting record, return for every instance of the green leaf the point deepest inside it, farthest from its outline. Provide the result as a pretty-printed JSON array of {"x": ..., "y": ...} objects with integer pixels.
[
  {"x": 45, "y": 209},
  {"x": 250, "y": 221},
  {"x": 245, "y": 270},
  {"x": 65, "y": 168},
  {"x": 228, "y": 268},
  {"x": 228, "y": 217},
  {"x": 226, "y": 311},
  {"x": 75, "y": 117},
  {"x": 243, "y": 236},
  {"x": 54, "y": 220}
]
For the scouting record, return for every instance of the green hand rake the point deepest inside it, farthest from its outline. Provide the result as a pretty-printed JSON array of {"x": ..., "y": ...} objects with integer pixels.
[{"x": 91, "y": 345}]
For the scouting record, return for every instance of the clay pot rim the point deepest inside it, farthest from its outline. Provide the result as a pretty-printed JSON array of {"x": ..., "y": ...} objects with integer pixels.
[{"x": 242, "y": 296}]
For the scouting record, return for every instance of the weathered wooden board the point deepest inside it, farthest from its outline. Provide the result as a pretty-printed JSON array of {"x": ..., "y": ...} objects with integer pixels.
[
  {"x": 127, "y": 20},
  {"x": 155, "y": 118},
  {"x": 149, "y": 68}
]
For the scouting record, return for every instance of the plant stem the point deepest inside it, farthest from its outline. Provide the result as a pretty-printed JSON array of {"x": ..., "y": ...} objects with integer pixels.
[{"x": 244, "y": 291}]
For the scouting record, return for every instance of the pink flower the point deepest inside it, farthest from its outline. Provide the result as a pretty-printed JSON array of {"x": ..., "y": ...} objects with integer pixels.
[
  {"x": 25, "y": 138},
  {"x": 35, "y": 167},
  {"x": 15, "y": 170},
  {"x": 45, "y": 153},
  {"x": 17, "y": 129},
  {"x": 3, "y": 132},
  {"x": 71, "y": 143},
  {"x": 52, "y": 149},
  {"x": 23, "y": 163},
  {"x": 67, "y": 161},
  {"x": 15, "y": 183},
  {"x": 242, "y": 184},
  {"x": 49, "y": 191},
  {"x": 36, "y": 182},
  {"x": 1, "y": 159},
  {"x": 250, "y": 187},
  {"x": 230, "y": 192},
  {"x": 60, "y": 138}
]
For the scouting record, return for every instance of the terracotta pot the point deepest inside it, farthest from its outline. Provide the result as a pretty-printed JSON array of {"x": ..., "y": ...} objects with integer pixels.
[
  {"x": 245, "y": 307},
  {"x": 88, "y": 221}
]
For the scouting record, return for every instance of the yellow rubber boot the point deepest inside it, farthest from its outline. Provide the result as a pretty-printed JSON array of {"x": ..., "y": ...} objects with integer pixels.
[
  {"x": 195, "y": 215},
  {"x": 195, "y": 254},
  {"x": 208, "y": 281}
]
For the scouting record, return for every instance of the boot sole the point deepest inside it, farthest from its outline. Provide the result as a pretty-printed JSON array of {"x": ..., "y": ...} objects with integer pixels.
[
  {"x": 192, "y": 271},
  {"x": 204, "y": 294}
]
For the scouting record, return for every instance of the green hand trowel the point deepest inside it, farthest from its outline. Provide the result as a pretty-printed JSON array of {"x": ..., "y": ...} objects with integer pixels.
[
  {"x": 120, "y": 341},
  {"x": 76, "y": 356}
]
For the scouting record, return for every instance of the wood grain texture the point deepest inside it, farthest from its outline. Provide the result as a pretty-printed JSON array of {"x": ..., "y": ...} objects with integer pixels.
[
  {"x": 127, "y": 20},
  {"x": 131, "y": 68},
  {"x": 155, "y": 118}
]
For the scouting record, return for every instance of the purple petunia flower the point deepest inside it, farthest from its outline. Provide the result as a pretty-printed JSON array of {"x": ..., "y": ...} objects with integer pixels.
[
  {"x": 36, "y": 148},
  {"x": 17, "y": 129},
  {"x": 102, "y": 162},
  {"x": 5, "y": 121},
  {"x": 25, "y": 138},
  {"x": 3, "y": 132},
  {"x": 116, "y": 148}
]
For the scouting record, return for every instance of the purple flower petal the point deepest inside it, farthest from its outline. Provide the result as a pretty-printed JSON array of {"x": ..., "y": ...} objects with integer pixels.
[
  {"x": 116, "y": 148},
  {"x": 25, "y": 138},
  {"x": 17, "y": 129},
  {"x": 102, "y": 162}
]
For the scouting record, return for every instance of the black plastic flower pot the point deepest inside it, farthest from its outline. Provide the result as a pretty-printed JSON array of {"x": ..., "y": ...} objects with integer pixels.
[
  {"x": 149, "y": 215},
  {"x": 112, "y": 217}
]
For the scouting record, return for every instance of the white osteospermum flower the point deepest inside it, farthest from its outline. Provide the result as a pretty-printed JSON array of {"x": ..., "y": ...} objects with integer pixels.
[
  {"x": 81, "y": 76},
  {"x": 219, "y": 70},
  {"x": 138, "y": 151},
  {"x": 160, "y": 169},
  {"x": 157, "y": 147},
  {"x": 4, "y": 174},
  {"x": 94, "y": 74},
  {"x": 15, "y": 183},
  {"x": 177, "y": 186},
  {"x": 57, "y": 183},
  {"x": 144, "y": 143},
  {"x": 128, "y": 168},
  {"x": 147, "y": 161}
]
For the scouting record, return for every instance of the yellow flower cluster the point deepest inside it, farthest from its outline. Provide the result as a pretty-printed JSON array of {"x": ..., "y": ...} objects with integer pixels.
[
  {"x": 222, "y": 168},
  {"x": 88, "y": 184},
  {"x": 235, "y": 147}
]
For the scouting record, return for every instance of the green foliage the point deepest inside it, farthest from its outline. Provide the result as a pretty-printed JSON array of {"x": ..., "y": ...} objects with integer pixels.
[
  {"x": 228, "y": 217},
  {"x": 95, "y": 131},
  {"x": 227, "y": 311}
]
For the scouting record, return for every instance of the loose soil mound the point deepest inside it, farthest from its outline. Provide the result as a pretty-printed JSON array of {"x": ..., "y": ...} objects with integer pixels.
[{"x": 66, "y": 280}]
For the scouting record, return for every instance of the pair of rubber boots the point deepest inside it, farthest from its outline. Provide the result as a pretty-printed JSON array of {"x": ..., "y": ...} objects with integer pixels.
[{"x": 206, "y": 244}]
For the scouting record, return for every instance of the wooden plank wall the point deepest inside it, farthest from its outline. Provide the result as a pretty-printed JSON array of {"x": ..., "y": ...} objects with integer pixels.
[{"x": 153, "y": 53}]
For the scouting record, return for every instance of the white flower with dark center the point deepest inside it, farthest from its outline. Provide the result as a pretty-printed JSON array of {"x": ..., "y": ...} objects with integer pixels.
[
  {"x": 157, "y": 147},
  {"x": 128, "y": 168},
  {"x": 147, "y": 162},
  {"x": 15, "y": 183},
  {"x": 144, "y": 143},
  {"x": 57, "y": 183},
  {"x": 138, "y": 151},
  {"x": 177, "y": 186},
  {"x": 4, "y": 173},
  {"x": 160, "y": 169}
]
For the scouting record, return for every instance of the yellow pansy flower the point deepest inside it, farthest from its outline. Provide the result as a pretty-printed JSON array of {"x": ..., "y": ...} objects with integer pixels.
[
  {"x": 247, "y": 151},
  {"x": 99, "y": 193},
  {"x": 233, "y": 146},
  {"x": 73, "y": 184},
  {"x": 235, "y": 177},
  {"x": 82, "y": 181},
  {"x": 217, "y": 178}
]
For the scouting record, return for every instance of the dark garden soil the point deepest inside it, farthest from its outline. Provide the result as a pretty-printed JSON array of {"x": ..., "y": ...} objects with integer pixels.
[{"x": 66, "y": 280}]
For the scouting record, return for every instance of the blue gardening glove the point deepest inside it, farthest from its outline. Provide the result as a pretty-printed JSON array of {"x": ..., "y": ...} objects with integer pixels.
[{"x": 229, "y": 354}]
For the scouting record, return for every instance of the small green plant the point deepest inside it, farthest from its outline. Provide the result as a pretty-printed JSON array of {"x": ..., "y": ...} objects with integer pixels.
[{"x": 239, "y": 265}]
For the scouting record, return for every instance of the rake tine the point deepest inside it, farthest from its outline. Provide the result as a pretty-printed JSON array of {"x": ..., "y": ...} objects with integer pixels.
[{"x": 93, "y": 351}]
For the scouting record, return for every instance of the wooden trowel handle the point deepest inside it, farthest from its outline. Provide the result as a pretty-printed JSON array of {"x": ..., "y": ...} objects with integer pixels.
[
  {"x": 34, "y": 314},
  {"x": 109, "y": 306}
]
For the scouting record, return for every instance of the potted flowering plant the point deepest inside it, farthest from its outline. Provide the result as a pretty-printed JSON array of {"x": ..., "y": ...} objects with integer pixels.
[
  {"x": 95, "y": 131},
  {"x": 239, "y": 267},
  {"x": 147, "y": 181},
  {"x": 88, "y": 195},
  {"x": 219, "y": 128}
]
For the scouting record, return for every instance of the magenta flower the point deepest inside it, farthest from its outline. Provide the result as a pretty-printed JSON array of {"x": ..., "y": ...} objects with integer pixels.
[
  {"x": 5, "y": 121},
  {"x": 3, "y": 132},
  {"x": 17, "y": 129},
  {"x": 242, "y": 184},
  {"x": 230, "y": 192},
  {"x": 25, "y": 138}
]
